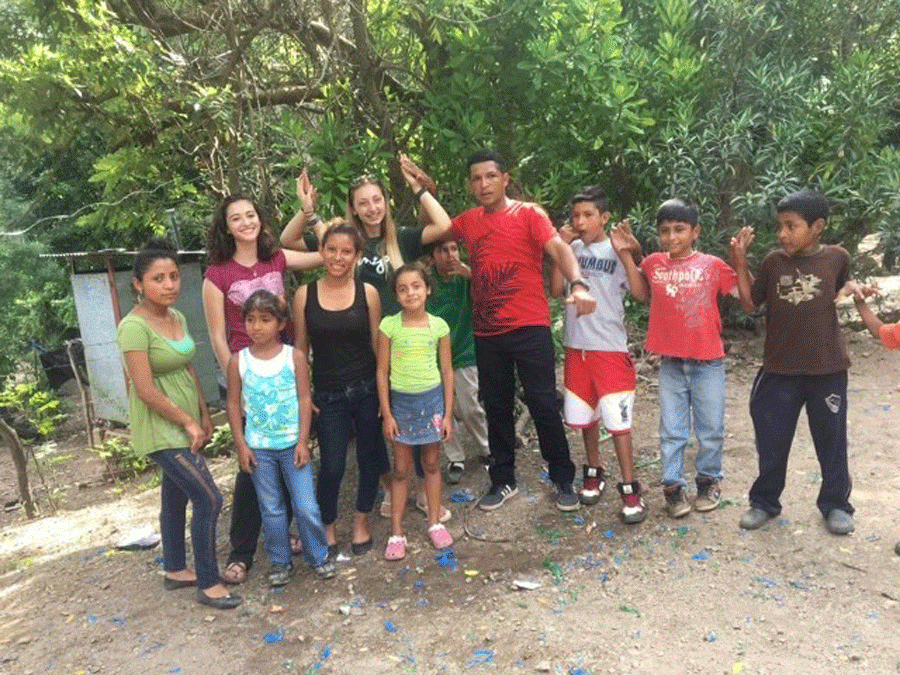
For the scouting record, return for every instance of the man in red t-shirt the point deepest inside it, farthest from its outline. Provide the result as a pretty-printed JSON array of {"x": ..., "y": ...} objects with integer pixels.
[{"x": 506, "y": 240}]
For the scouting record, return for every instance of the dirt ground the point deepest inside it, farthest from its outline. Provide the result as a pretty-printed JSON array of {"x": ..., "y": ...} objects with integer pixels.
[{"x": 696, "y": 595}]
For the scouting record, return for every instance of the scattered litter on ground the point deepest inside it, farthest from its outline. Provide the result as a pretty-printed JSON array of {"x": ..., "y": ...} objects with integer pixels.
[
  {"x": 462, "y": 496},
  {"x": 275, "y": 636}
]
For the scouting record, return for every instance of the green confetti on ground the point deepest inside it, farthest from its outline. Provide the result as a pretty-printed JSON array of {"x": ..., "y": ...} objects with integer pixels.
[
  {"x": 630, "y": 610},
  {"x": 554, "y": 569}
]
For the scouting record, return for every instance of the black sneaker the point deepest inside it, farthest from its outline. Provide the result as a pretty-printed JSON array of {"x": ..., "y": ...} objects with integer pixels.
[
  {"x": 455, "y": 471},
  {"x": 566, "y": 499},
  {"x": 496, "y": 496}
]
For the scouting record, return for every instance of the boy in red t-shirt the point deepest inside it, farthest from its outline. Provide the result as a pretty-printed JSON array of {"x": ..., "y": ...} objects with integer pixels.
[
  {"x": 887, "y": 333},
  {"x": 683, "y": 286}
]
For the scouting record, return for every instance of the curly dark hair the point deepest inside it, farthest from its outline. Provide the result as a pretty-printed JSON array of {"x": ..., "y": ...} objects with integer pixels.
[{"x": 220, "y": 246}]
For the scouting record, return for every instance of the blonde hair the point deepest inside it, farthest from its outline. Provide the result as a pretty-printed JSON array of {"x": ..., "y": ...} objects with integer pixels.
[{"x": 389, "y": 247}]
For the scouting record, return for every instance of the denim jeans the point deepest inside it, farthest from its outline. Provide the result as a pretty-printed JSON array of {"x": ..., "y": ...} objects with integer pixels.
[
  {"x": 691, "y": 389},
  {"x": 341, "y": 413},
  {"x": 528, "y": 352},
  {"x": 775, "y": 404},
  {"x": 186, "y": 478},
  {"x": 273, "y": 466}
]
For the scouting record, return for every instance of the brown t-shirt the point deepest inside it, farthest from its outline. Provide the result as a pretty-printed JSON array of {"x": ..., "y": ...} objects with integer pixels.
[{"x": 802, "y": 332}]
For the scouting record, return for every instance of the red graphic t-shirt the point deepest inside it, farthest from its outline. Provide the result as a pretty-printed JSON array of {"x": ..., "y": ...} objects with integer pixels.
[
  {"x": 684, "y": 311},
  {"x": 505, "y": 252},
  {"x": 238, "y": 283}
]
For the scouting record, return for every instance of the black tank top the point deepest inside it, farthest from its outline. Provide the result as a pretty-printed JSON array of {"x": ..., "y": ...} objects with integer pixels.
[{"x": 341, "y": 341}]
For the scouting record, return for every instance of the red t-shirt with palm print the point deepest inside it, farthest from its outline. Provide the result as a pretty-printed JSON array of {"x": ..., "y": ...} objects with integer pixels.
[{"x": 505, "y": 251}]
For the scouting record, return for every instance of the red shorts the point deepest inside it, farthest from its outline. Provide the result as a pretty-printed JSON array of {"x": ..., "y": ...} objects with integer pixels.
[{"x": 599, "y": 385}]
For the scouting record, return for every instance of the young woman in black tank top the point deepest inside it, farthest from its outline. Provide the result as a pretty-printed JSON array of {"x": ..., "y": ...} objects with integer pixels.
[{"x": 337, "y": 317}]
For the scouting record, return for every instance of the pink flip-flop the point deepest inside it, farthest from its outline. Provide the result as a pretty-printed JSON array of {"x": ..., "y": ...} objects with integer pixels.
[
  {"x": 396, "y": 548},
  {"x": 440, "y": 537}
]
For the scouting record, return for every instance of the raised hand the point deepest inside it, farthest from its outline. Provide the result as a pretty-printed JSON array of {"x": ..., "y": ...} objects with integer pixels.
[
  {"x": 859, "y": 292},
  {"x": 741, "y": 241},
  {"x": 567, "y": 233},
  {"x": 416, "y": 178},
  {"x": 622, "y": 238},
  {"x": 306, "y": 193}
]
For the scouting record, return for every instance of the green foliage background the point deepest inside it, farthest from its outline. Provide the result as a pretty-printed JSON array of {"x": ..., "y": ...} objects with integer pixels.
[{"x": 116, "y": 117}]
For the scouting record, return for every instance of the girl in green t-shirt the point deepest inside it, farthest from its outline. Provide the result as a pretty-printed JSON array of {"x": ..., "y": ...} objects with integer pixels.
[
  {"x": 415, "y": 390},
  {"x": 170, "y": 422}
]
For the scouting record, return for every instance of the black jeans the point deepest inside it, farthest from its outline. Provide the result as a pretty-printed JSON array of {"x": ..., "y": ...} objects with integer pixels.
[
  {"x": 775, "y": 404},
  {"x": 530, "y": 352},
  {"x": 353, "y": 409},
  {"x": 186, "y": 478}
]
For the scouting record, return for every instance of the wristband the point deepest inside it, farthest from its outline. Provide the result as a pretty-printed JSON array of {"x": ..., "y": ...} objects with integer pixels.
[
  {"x": 421, "y": 192},
  {"x": 313, "y": 219},
  {"x": 579, "y": 282}
]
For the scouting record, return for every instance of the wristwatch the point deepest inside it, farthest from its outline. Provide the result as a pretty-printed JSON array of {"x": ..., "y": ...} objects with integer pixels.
[{"x": 579, "y": 282}]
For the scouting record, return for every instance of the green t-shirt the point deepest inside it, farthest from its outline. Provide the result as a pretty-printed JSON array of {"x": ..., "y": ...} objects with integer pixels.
[
  {"x": 452, "y": 301},
  {"x": 414, "y": 353},
  {"x": 375, "y": 269},
  {"x": 150, "y": 431}
]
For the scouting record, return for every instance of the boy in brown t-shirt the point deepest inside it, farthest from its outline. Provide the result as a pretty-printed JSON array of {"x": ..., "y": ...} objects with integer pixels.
[{"x": 805, "y": 358}]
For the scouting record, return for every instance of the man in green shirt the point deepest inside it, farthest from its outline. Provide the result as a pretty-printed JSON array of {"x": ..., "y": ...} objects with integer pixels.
[{"x": 451, "y": 299}]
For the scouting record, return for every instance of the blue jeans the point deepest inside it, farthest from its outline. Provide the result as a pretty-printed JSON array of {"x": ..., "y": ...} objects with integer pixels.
[
  {"x": 186, "y": 478},
  {"x": 341, "y": 413},
  {"x": 689, "y": 386},
  {"x": 271, "y": 467}
]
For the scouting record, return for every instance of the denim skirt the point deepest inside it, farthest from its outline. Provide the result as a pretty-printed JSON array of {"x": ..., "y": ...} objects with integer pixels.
[{"x": 419, "y": 417}]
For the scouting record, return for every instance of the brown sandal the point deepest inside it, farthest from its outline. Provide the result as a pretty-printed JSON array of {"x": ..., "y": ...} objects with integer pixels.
[{"x": 235, "y": 573}]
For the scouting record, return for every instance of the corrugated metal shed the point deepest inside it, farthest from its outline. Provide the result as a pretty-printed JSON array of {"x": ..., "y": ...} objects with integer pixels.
[{"x": 103, "y": 296}]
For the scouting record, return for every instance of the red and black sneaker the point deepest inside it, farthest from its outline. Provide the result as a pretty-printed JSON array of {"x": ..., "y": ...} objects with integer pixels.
[
  {"x": 634, "y": 510},
  {"x": 594, "y": 482}
]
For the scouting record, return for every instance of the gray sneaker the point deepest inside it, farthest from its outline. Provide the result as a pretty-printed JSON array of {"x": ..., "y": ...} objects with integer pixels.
[
  {"x": 839, "y": 522},
  {"x": 326, "y": 570},
  {"x": 280, "y": 574},
  {"x": 566, "y": 499},
  {"x": 708, "y": 494},
  {"x": 676, "y": 501},
  {"x": 496, "y": 496},
  {"x": 754, "y": 518}
]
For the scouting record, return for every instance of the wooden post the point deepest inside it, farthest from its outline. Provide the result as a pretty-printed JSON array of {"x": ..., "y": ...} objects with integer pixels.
[{"x": 11, "y": 438}]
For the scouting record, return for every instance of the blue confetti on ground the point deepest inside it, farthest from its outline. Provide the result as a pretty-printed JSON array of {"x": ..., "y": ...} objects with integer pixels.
[
  {"x": 389, "y": 627},
  {"x": 482, "y": 657},
  {"x": 174, "y": 670},
  {"x": 702, "y": 555},
  {"x": 277, "y": 636},
  {"x": 710, "y": 637},
  {"x": 447, "y": 559},
  {"x": 92, "y": 618},
  {"x": 609, "y": 534},
  {"x": 118, "y": 621},
  {"x": 766, "y": 582},
  {"x": 579, "y": 520},
  {"x": 159, "y": 560},
  {"x": 461, "y": 497}
]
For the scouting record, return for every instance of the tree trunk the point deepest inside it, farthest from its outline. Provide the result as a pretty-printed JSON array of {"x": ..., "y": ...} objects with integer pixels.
[{"x": 11, "y": 438}]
